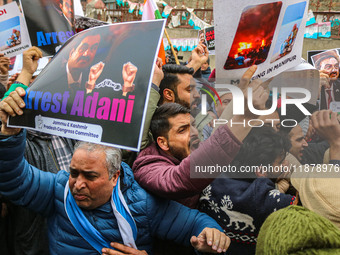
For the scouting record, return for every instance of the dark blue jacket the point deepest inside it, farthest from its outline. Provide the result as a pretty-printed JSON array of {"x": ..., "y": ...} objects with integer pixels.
[{"x": 43, "y": 192}]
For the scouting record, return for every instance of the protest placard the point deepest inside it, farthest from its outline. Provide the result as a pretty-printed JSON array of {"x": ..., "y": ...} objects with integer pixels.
[
  {"x": 266, "y": 33},
  {"x": 207, "y": 37},
  {"x": 96, "y": 87},
  {"x": 14, "y": 37},
  {"x": 327, "y": 62},
  {"x": 50, "y": 23}
]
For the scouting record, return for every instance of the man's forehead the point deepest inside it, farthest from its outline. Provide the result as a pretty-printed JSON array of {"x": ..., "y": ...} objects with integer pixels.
[
  {"x": 185, "y": 79},
  {"x": 296, "y": 132},
  {"x": 179, "y": 119},
  {"x": 330, "y": 60}
]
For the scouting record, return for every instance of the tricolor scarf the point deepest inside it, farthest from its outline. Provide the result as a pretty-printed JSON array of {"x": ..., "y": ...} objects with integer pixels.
[{"x": 126, "y": 224}]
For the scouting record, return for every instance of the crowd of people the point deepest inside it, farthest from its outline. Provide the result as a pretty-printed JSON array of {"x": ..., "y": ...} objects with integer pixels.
[{"x": 61, "y": 196}]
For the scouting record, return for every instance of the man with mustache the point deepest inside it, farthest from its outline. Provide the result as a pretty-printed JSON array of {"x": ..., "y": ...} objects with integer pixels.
[
  {"x": 328, "y": 65},
  {"x": 98, "y": 202}
]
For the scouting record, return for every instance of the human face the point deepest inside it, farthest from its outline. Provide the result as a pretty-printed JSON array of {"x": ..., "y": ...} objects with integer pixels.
[
  {"x": 181, "y": 135},
  {"x": 66, "y": 8},
  {"x": 186, "y": 92},
  {"x": 89, "y": 179},
  {"x": 84, "y": 54},
  {"x": 279, "y": 164},
  {"x": 331, "y": 67},
  {"x": 298, "y": 142},
  {"x": 226, "y": 98},
  {"x": 204, "y": 66}
]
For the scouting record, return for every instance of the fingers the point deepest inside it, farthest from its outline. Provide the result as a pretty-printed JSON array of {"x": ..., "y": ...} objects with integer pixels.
[
  {"x": 159, "y": 62},
  {"x": 106, "y": 251},
  {"x": 209, "y": 236},
  {"x": 121, "y": 249},
  {"x": 13, "y": 103},
  {"x": 247, "y": 76},
  {"x": 214, "y": 238},
  {"x": 36, "y": 52}
]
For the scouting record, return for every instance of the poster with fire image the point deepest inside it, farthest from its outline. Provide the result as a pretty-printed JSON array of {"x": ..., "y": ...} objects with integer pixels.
[{"x": 266, "y": 33}]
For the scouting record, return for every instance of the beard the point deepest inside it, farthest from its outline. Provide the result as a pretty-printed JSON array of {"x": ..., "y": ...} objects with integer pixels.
[
  {"x": 179, "y": 153},
  {"x": 181, "y": 102}
]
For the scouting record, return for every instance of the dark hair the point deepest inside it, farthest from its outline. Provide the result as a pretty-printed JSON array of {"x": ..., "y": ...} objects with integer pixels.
[
  {"x": 170, "y": 80},
  {"x": 160, "y": 125},
  {"x": 330, "y": 54},
  {"x": 261, "y": 147}
]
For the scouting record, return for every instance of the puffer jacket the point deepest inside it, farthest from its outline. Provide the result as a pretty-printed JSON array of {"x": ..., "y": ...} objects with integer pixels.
[{"x": 43, "y": 192}]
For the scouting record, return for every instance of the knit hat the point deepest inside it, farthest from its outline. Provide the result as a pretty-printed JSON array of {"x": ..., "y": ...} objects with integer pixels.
[
  {"x": 319, "y": 194},
  {"x": 296, "y": 230}
]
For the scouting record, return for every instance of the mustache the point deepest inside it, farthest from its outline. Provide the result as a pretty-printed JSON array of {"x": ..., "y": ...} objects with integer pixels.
[{"x": 78, "y": 194}]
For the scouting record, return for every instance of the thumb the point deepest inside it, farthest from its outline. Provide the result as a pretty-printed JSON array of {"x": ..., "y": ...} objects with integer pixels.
[{"x": 194, "y": 241}]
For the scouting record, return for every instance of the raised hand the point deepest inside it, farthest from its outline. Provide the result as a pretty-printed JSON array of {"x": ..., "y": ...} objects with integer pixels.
[
  {"x": 129, "y": 74},
  {"x": 210, "y": 240},
  {"x": 95, "y": 71}
]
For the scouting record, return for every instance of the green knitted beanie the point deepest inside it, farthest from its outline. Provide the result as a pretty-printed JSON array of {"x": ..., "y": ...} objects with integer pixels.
[{"x": 296, "y": 230}]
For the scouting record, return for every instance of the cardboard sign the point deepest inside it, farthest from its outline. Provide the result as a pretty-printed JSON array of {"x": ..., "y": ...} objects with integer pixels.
[
  {"x": 207, "y": 36},
  {"x": 265, "y": 33},
  {"x": 50, "y": 23},
  {"x": 327, "y": 62},
  {"x": 13, "y": 31},
  {"x": 96, "y": 87}
]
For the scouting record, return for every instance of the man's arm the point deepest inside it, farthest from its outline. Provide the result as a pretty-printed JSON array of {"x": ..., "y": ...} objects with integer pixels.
[
  {"x": 169, "y": 220},
  {"x": 20, "y": 182},
  {"x": 161, "y": 176},
  {"x": 327, "y": 126},
  {"x": 260, "y": 96},
  {"x": 153, "y": 101},
  {"x": 199, "y": 56},
  {"x": 164, "y": 178}
]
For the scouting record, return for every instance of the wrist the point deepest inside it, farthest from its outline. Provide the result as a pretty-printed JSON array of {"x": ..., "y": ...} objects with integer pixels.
[
  {"x": 24, "y": 77},
  {"x": 334, "y": 151}
]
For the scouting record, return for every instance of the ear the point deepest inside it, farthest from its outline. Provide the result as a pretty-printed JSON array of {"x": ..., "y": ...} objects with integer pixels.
[
  {"x": 115, "y": 178},
  {"x": 168, "y": 95},
  {"x": 259, "y": 173},
  {"x": 163, "y": 143}
]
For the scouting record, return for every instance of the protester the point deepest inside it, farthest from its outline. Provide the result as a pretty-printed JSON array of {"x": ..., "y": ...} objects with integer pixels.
[
  {"x": 317, "y": 184},
  {"x": 85, "y": 194},
  {"x": 258, "y": 167},
  {"x": 48, "y": 152},
  {"x": 205, "y": 69},
  {"x": 296, "y": 230},
  {"x": 160, "y": 169}
]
